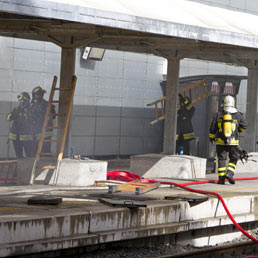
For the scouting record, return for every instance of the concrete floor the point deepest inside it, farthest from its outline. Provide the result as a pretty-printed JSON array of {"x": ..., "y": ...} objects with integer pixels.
[{"x": 82, "y": 219}]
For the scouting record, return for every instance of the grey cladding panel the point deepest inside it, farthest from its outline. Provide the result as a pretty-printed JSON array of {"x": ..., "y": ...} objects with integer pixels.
[
  {"x": 132, "y": 127},
  {"x": 4, "y": 128},
  {"x": 108, "y": 126},
  {"x": 108, "y": 111},
  {"x": 83, "y": 145},
  {"x": 252, "y": 6},
  {"x": 132, "y": 112},
  {"x": 52, "y": 62},
  {"x": 131, "y": 145},
  {"x": 111, "y": 68},
  {"x": 240, "y": 4},
  {"x": 83, "y": 126},
  {"x": 84, "y": 110},
  {"x": 134, "y": 70},
  {"x": 5, "y": 107},
  {"x": 107, "y": 145},
  {"x": 28, "y": 60},
  {"x": 152, "y": 144},
  {"x": 86, "y": 86},
  {"x": 109, "y": 87}
]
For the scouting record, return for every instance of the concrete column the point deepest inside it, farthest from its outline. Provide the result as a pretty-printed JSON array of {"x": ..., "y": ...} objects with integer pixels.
[
  {"x": 251, "y": 111},
  {"x": 169, "y": 141},
  {"x": 68, "y": 56}
]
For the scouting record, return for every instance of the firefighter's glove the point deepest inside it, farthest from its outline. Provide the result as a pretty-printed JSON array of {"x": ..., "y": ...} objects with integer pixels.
[{"x": 9, "y": 117}]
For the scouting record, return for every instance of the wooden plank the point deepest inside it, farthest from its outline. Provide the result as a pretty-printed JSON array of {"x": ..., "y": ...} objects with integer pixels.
[{"x": 134, "y": 186}]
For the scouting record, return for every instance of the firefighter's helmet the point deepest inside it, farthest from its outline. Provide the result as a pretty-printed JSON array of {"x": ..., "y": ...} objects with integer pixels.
[
  {"x": 229, "y": 104},
  {"x": 24, "y": 96},
  {"x": 38, "y": 90}
]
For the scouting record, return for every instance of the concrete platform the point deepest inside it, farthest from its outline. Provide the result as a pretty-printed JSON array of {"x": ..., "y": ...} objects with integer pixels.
[
  {"x": 72, "y": 172},
  {"x": 174, "y": 166},
  {"x": 82, "y": 220}
]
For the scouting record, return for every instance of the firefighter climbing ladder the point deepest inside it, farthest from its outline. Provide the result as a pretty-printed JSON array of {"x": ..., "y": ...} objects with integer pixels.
[
  {"x": 200, "y": 91},
  {"x": 64, "y": 129}
]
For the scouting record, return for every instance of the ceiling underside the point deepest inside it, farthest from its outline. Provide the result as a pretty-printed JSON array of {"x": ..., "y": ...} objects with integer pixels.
[{"x": 75, "y": 34}]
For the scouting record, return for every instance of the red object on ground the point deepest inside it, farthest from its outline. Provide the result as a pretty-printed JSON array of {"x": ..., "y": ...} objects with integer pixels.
[
  {"x": 127, "y": 177},
  {"x": 121, "y": 175}
]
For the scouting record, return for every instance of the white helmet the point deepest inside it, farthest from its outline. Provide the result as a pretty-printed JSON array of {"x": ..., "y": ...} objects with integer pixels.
[{"x": 229, "y": 104}]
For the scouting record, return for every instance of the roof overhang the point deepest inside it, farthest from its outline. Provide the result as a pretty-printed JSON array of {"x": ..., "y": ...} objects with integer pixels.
[{"x": 185, "y": 29}]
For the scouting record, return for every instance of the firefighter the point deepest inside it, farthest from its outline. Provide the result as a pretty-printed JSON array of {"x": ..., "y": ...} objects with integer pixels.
[
  {"x": 224, "y": 131},
  {"x": 39, "y": 106},
  {"x": 185, "y": 133},
  {"x": 21, "y": 128}
]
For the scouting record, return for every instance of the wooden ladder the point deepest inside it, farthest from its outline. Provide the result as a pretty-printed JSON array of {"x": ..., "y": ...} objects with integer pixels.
[
  {"x": 196, "y": 92},
  {"x": 64, "y": 129}
]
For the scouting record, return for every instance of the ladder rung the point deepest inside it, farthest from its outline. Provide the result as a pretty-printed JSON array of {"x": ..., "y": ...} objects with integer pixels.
[
  {"x": 60, "y": 101},
  {"x": 50, "y": 140},
  {"x": 55, "y": 127},
  {"x": 63, "y": 89},
  {"x": 47, "y": 167},
  {"x": 48, "y": 153},
  {"x": 58, "y": 114}
]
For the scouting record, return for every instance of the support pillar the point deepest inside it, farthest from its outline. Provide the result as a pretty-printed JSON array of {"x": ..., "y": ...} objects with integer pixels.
[
  {"x": 68, "y": 56},
  {"x": 169, "y": 141},
  {"x": 251, "y": 111}
]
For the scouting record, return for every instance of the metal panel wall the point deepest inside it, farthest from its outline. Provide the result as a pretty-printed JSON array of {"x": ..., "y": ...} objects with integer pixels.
[{"x": 110, "y": 116}]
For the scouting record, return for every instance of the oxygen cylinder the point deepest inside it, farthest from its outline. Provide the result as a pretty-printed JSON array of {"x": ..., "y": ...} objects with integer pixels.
[{"x": 227, "y": 125}]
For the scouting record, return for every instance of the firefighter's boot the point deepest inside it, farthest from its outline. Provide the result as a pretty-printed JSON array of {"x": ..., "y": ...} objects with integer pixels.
[
  {"x": 221, "y": 180},
  {"x": 230, "y": 178}
]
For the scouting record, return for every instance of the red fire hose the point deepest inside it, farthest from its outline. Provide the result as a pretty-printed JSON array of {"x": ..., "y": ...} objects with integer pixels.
[
  {"x": 212, "y": 193},
  {"x": 127, "y": 176}
]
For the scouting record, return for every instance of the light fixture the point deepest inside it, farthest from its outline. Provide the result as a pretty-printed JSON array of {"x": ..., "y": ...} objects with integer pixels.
[{"x": 93, "y": 53}]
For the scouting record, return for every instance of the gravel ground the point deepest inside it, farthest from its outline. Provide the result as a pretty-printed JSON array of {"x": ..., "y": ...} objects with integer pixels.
[
  {"x": 139, "y": 252},
  {"x": 152, "y": 252}
]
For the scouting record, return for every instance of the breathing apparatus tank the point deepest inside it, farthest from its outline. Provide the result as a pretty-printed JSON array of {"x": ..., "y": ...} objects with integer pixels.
[{"x": 227, "y": 125}]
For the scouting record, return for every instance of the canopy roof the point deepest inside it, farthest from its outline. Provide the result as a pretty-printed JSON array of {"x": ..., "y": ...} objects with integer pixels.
[
  {"x": 176, "y": 11},
  {"x": 163, "y": 27}
]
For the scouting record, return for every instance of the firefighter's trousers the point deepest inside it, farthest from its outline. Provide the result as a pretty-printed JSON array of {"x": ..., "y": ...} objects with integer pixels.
[{"x": 222, "y": 152}]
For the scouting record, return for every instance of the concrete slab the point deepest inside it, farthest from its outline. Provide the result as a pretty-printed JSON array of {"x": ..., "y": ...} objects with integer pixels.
[
  {"x": 170, "y": 166},
  {"x": 81, "y": 172},
  {"x": 71, "y": 172},
  {"x": 81, "y": 220}
]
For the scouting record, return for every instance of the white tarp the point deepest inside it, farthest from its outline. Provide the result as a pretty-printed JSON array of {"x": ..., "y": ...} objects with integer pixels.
[{"x": 177, "y": 11}]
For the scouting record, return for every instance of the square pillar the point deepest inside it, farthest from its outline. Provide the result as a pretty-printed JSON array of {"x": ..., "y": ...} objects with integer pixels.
[
  {"x": 249, "y": 141},
  {"x": 68, "y": 57},
  {"x": 169, "y": 140}
]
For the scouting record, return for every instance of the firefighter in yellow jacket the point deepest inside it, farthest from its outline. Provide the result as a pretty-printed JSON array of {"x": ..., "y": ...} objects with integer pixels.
[
  {"x": 224, "y": 131},
  {"x": 21, "y": 127},
  {"x": 184, "y": 132}
]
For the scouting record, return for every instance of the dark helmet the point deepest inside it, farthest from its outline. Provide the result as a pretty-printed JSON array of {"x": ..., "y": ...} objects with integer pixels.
[
  {"x": 39, "y": 90},
  {"x": 24, "y": 96}
]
